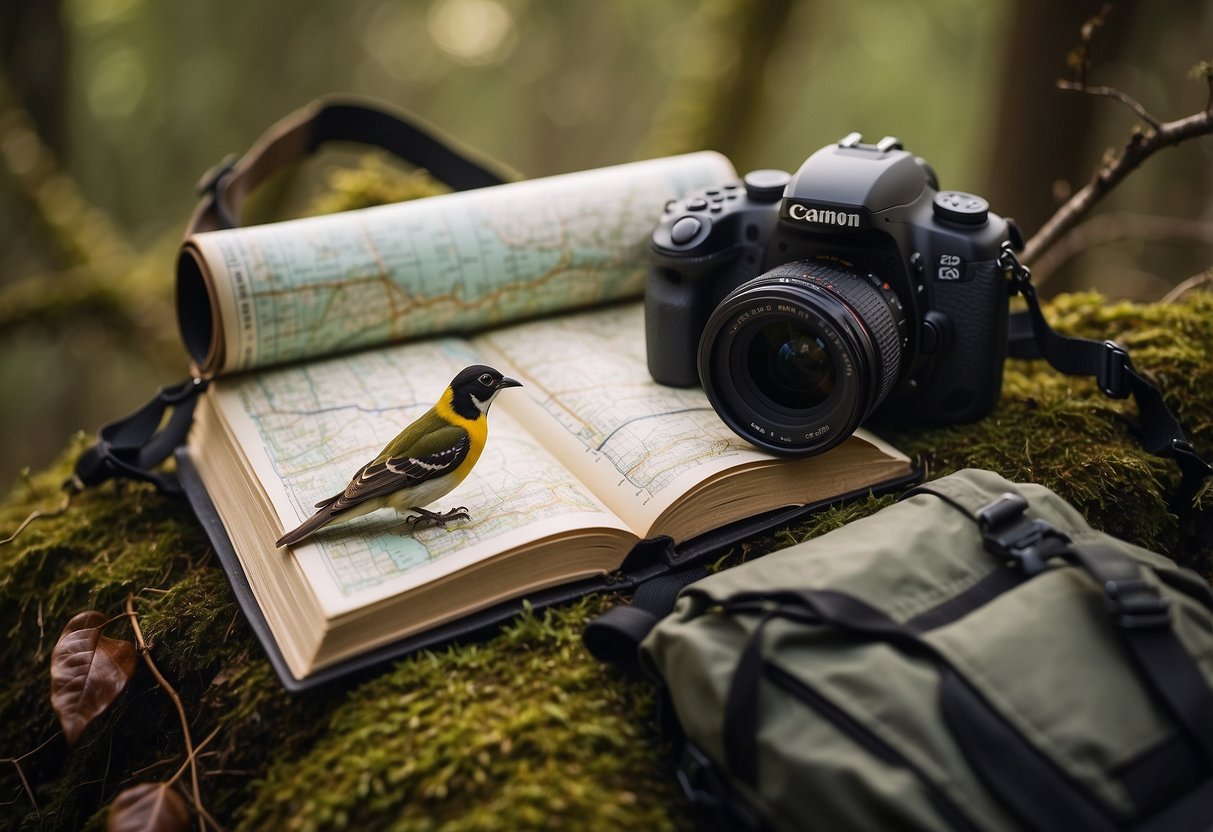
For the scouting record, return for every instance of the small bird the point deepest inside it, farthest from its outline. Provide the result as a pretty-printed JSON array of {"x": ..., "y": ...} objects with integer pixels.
[{"x": 426, "y": 461}]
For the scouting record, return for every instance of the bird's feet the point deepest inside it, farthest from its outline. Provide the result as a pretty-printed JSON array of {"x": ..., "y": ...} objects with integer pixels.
[{"x": 424, "y": 519}]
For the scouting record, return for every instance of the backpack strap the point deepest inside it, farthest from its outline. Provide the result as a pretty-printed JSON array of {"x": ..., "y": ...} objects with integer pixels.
[
  {"x": 614, "y": 637},
  {"x": 1027, "y": 782},
  {"x": 1040, "y": 793},
  {"x": 1141, "y": 613}
]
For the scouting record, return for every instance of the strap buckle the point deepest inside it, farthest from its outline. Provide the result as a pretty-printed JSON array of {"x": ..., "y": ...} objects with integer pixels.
[
  {"x": 1010, "y": 535},
  {"x": 1021, "y": 275},
  {"x": 208, "y": 183},
  {"x": 177, "y": 393},
  {"x": 1189, "y": 461},
  {"x": 1112, "y": 372},
  {"x": 708, "y": 792},
  {"x": 1136, "y": 604},
  {"x": 213, "y": 183}
]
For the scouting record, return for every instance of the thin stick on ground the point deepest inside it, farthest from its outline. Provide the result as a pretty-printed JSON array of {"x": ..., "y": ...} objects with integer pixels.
[
  {"x": 39, "y": 514},
  {"x": 145, "y": 652},
  {"x": 16, "y": 761},
  {"x": 191, "y": 763}
]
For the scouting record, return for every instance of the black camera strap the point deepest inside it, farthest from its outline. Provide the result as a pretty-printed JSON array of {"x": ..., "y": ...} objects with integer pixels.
[
  {"x": 1159, "y": 431},
  {"x": 132, "y": 447}
]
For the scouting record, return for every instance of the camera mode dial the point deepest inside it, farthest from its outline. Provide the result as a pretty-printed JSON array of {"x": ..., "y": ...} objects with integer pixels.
[{"x": 960, "y": 208}]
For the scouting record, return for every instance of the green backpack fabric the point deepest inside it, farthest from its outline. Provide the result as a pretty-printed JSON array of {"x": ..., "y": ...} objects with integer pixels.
[{"x": 975, "y": 657}]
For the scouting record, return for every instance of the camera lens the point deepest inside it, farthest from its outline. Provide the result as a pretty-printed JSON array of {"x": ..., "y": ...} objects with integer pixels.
[
  {"x": 795, "y": 359},
  {"x": 791, "y": 365}
]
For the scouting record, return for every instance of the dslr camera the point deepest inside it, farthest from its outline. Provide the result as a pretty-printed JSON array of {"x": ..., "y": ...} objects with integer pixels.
[{"x": 807, "y": 303}]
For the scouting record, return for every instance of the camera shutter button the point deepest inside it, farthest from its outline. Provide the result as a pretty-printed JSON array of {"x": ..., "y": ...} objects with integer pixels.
[{"x": 684, "y": 230}]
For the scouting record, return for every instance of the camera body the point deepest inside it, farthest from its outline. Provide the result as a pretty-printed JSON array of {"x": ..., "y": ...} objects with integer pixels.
[{"x": 804, "y": 303}]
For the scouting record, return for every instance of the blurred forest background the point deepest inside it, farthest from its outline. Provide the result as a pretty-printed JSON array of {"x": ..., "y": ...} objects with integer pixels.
[{"x": 111, "y": 109}]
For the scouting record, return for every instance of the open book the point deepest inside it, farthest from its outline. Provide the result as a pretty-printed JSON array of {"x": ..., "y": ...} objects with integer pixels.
[{"x": 584, "y": 461}]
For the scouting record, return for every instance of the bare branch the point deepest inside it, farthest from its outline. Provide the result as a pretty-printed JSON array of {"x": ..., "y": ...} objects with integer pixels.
[
  {"x": 1111, "y": 92},
  {"x": 1204, "y": 70},
  {"x": 1139, "y": 147},
  {"x": 1188, "y": 285},
  {"x": 1079, "y": 58},
  {"x": 1113, "y": 227}
]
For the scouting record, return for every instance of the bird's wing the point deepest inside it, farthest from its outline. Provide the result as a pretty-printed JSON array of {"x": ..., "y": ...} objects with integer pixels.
[{"x": 436, "y": 453}]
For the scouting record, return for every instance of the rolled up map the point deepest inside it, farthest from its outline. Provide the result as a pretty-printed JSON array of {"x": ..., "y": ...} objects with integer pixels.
[{"x": 455, "y": 263}]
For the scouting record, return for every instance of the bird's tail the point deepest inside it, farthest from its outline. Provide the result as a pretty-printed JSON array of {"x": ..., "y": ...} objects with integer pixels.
[{"x": 309, "y": 527}]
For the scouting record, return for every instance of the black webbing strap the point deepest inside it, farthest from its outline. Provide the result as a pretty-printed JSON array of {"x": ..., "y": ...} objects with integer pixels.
[
  {"x": 336, "y": 119},
  {"x": 1143, "y": 618},
  {"x": 615, "y": 635},
  {"x": 1011, "y": 767},
  {"x": 1140, "y": 611},
  {"x": 1042, "y": 795},
  {"x": 132, "y": 447},
  {"x": 1159, "y": 430}
]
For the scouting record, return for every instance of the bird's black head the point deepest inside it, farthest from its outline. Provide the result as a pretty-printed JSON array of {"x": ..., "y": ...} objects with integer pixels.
[{"x": 474, "y": 389}]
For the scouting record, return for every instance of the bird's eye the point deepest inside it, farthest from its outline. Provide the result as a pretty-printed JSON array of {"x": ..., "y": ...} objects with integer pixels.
[{"x": 486, "y": 379}]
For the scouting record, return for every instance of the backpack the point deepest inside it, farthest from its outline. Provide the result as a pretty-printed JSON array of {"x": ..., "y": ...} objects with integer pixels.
[{"x": 974, "y": 657}]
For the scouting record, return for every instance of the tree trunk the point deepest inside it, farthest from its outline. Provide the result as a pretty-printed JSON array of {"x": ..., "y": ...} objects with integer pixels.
[{"x": 1042, "y": 145}]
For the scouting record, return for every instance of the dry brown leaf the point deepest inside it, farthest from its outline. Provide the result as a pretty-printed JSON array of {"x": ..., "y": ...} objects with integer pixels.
[
  {"x": 88, "y": 671},
  {"x": 148, "y": 807}
]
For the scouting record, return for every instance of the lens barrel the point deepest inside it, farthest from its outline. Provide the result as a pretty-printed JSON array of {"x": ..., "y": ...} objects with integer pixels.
[{"x": 796, "y": 359}]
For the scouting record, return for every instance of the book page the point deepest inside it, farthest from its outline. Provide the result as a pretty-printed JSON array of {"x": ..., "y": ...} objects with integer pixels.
[
  {"x": 640, "y": 445},
  {"x": 444, "y": 264},
  {"x": 306, "y": 430}
]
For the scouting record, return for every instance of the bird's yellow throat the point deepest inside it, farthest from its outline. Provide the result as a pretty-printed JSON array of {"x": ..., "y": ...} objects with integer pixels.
[{"x": 478, "y": 428}]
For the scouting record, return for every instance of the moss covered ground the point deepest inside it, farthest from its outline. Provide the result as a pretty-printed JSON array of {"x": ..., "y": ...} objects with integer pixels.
[{"x": 521, "y": 731}]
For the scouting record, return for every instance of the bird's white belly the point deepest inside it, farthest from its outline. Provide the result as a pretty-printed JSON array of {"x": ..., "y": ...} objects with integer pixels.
[{"x": 422, "y": 494}]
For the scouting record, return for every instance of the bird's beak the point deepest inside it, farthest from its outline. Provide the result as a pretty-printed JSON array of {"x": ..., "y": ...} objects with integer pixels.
[{"x": 506, "y": 381}]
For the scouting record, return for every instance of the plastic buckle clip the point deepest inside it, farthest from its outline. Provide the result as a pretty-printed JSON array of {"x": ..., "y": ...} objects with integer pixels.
[
  {"x": 707, "y": 792},
  {"x": 697, "y": 777},
  {"x": 1189, "y": 461},
  {"x": 1137, "y": 604},
  {"x": 1008, "y": 534},
  {"x": 1111, "y": 375}
]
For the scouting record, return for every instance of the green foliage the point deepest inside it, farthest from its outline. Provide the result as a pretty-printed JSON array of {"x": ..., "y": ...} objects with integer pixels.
[{"x": 521, "y": 731}]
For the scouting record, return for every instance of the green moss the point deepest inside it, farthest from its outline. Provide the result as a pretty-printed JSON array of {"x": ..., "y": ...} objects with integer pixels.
[
  {"x": 374, "y": 182},
  {"x": 1062, "y": 432},
  {"x": 525, "y": 731},
  {"x": 521, "y": 731}
]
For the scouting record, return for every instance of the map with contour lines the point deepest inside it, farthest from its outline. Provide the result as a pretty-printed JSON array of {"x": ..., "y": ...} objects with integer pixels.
[
  {"x": 445, "y": 264},
  {"x": 311, "y": 427},
  {"x": 651, "y": 434}
]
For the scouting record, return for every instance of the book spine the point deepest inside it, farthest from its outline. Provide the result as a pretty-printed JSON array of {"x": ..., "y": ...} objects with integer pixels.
[{"x": 449, "y": 264}]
